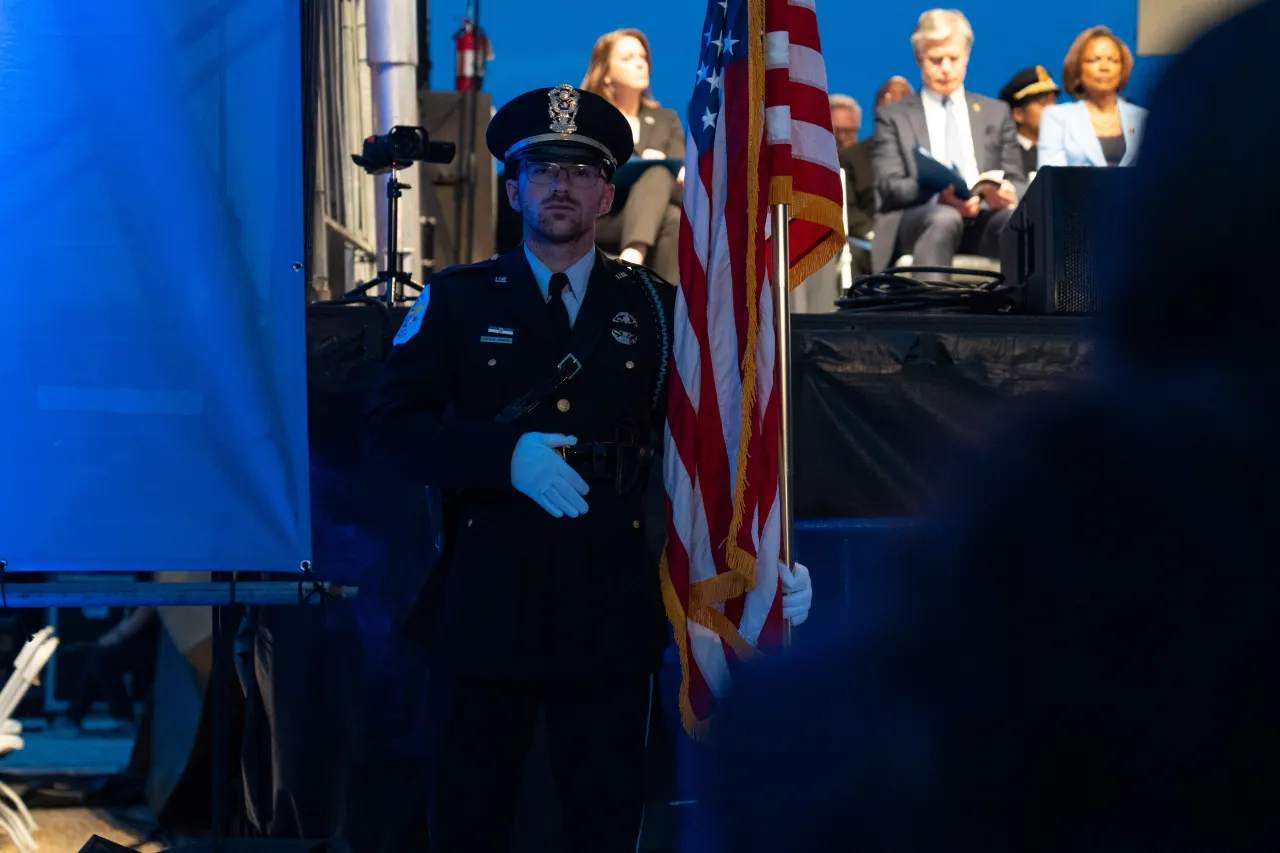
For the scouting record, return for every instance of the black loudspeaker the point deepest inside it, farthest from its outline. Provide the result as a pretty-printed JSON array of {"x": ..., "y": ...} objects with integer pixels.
[
  {"x": 1051, "y": 246},
  {"x": 345, "y": 346},
  {"x": 339, "y": 335}
]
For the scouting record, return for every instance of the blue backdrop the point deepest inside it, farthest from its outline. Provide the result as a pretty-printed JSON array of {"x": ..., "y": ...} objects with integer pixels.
[
  {"x": 864, "y": 42},
  {"x": 152, "y": 354}
]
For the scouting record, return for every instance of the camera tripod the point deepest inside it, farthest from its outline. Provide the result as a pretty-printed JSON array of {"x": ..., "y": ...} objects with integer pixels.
[{"x": 395, "y": 279}]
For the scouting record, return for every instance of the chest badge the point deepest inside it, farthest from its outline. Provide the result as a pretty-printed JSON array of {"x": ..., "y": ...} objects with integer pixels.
[{"x": 625, "y": 328}]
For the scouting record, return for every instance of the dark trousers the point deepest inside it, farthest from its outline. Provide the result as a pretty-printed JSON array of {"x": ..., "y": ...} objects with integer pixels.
[
  {"x": 644, "y": 214},
  {"x": 935, "y": 233},
  {"x": 297, "y": 669},
  {"x": 596, "y": 737},
  {"x": 105, "y": 670}
]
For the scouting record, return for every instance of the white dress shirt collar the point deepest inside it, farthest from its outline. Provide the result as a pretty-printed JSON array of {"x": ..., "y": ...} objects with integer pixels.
[
  {"x": 579, "y": 273},
  {"x": 957, "y": 96},
  {"x": 935, "y": 115}
]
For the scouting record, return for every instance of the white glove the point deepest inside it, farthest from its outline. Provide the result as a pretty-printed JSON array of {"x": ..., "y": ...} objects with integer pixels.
[
  {"x": 542, "y": 474},
  {"x": 797, "y": 593}
]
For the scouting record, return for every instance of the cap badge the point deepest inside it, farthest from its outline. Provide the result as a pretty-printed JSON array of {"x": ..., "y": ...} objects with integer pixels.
[{"x": 563, "y": 109}]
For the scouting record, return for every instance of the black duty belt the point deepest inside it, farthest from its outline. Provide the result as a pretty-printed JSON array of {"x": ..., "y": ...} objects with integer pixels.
[{"x": 625, "y": 461}]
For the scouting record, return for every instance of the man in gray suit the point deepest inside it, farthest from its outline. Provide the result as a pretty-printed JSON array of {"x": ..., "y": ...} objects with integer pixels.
[{"x": 974, "y": 132}]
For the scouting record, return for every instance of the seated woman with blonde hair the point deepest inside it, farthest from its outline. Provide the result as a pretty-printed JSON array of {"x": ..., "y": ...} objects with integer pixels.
[
  {"x": 643, "y": 226},
  {"x": 1100, "y": 128}
]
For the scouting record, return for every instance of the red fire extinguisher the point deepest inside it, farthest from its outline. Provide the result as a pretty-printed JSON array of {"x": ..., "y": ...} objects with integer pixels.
[{"x": 472, "y": 51}]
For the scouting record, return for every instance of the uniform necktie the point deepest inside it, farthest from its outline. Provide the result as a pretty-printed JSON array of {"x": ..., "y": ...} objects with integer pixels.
[
  {"x": 952, "y": 138},
  {"x": 559, "y": 313}
]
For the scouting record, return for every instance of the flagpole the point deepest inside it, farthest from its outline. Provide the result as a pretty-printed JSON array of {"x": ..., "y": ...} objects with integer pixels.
[{"x": 781, "y": 278}]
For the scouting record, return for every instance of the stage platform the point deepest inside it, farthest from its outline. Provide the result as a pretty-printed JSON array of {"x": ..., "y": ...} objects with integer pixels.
[{"x": 886, "y": 403}]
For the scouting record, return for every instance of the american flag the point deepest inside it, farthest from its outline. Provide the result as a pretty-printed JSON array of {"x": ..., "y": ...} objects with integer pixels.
[{"x": 759, "y": 134}]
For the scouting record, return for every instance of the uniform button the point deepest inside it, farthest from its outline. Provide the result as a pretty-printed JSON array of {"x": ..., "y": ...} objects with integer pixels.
[
  {"x": 636, "y": 524},
  {"x": 492, "y": 362},
  {"x": 563, "y": 405},
  {"x": 630, "y": 364}
]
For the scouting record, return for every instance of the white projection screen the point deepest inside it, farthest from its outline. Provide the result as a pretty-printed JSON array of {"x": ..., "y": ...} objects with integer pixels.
[{"x": 152, "y": 335}]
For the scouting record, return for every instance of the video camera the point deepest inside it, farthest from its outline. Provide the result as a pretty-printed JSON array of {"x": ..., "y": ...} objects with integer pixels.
[{"x": 401, "y": 146}]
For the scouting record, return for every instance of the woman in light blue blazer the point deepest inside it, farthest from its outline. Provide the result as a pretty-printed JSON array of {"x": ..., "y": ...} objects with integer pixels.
[{"x": 1100, "y": 128}]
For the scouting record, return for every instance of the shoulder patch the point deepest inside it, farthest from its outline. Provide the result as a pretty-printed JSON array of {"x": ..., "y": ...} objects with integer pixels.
[{"x": 413, "y": 320}]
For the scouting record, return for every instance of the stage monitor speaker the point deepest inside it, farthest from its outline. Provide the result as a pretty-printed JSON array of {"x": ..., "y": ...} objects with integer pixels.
[
  {"x": 461, "y": 225},
  {"x": 345, "y": 346},
  {"x": 340, "y": 334},
  {"x": 1051, "y": 246}
]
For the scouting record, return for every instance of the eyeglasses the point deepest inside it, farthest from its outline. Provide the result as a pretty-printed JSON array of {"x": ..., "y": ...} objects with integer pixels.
[{"x": 579, "y": 175}]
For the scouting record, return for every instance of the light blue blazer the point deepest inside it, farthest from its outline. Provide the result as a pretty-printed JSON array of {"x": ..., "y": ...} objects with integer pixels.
[{"x": 1067, "y": 137}]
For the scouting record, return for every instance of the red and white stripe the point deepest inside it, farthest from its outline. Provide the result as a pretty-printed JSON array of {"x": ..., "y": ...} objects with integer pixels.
[{"x": 772, "y": 144}]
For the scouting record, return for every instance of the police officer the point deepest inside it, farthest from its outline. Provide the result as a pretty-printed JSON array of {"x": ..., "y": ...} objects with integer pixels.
[
  {"x": 1029, "y": 93},
  {"x": 531, "y": 387},
  {"x": 553, "y": 360}
]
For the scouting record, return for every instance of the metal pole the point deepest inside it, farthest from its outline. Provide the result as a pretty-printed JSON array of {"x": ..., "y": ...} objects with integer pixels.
[
  {"x": 220, "y": 724},
  {"x": 393, "y": 55},
  {"x": 107, "y": 593},
  {"x": 781, "y": 278},
  {"x": 424, "y": 44},
  {"x": 470, "y": 181},
  {"x": 393, "y": 291}
]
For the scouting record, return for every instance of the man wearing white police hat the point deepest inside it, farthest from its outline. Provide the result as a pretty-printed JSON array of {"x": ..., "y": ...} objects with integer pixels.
[{"x": 532, "y": 389}]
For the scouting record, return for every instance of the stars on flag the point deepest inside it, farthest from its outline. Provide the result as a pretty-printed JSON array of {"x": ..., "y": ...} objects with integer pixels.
[{"x": 722, "y": 45}]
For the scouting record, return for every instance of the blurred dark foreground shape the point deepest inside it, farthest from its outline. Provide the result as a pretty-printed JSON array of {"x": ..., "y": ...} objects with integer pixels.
[{"x": 1078, "y": 655}]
